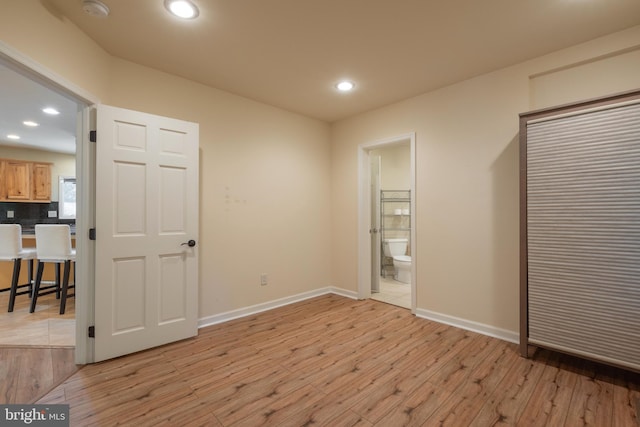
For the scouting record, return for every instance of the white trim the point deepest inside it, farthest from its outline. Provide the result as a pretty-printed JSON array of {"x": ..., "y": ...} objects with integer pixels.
[
  {"x": 469, "y": 325},
  {"x": 84, "y": 169},
  {"x": 85, "y": 248},
  {"x": 457, "y": 322},
  {"x": 364, "y": 214},
  {"x": 364, "y": 221},
  {"x": 270, "y": 305},
  {"x": 343, "y": 292}
]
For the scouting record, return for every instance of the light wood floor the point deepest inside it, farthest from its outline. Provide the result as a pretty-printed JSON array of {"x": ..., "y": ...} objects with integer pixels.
[
  {"x": 44, "y": 327},
  {"x": 28, "y": 373},
  {"x": 338, "y": 362}
]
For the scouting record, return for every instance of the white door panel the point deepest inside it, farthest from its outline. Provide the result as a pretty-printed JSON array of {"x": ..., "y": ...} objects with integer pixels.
[{"x": 146, "y": 211}]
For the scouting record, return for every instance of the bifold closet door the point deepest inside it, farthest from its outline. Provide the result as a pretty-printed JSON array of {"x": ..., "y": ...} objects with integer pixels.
[{"x": 583, "y": 233}]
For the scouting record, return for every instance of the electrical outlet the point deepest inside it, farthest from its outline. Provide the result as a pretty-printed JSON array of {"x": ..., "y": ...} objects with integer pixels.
[
  {"x": 263, "y": 279},
  {"x": 9, "y": 214},
  {"x": 52, "y": 214}
]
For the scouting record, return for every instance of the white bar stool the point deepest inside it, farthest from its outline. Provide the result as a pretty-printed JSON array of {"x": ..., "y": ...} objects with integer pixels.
[
  {"x": 11, "y": 250},
  {"x": 53, "y": 244}
]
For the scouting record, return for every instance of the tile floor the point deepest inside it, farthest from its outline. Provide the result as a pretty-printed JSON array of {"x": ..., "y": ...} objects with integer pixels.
[
  {"x": 393, "y": 292},
  {"x": 45, "y": 327}
]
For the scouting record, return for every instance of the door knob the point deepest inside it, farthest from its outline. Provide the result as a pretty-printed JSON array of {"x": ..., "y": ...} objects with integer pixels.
[{"x": 190, "y": 243}]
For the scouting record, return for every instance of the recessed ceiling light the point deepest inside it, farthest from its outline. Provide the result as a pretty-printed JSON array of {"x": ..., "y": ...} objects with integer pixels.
[
  {"x": 51, "y": 111},
  {"x": 30, "y": 123},
  {"x": 345, "y": 86},
  {"x": 182, "y": 8},
  {"x": 13, "y": 136}
]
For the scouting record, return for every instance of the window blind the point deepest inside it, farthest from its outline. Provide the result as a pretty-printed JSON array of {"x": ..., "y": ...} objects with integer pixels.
[{"x": 583, "y": 233}]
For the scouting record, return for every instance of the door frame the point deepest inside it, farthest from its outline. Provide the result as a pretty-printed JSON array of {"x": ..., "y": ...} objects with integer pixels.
[
  {"x": 85, "y": 170},
  {"x": 375, "y": 235},
  {"x": 364, "y": 212}
]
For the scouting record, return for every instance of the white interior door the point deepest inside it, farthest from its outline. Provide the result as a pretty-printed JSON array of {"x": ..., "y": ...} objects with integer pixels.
[{"x": 146, "y": 213}]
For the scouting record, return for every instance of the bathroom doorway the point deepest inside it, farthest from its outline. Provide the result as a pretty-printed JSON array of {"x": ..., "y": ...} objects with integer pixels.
[
  {"x": 387, "y": 261},
  {"x": 390, "y": 215}
]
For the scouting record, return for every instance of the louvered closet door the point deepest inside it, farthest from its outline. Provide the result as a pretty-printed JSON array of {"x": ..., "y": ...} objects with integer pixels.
[{"x": 583, "y": 209}]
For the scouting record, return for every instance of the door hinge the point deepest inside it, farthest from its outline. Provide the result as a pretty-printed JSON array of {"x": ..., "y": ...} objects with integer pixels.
[
  {"x": 92, "y": 234},
  {"x": 92, "y": 331},
  {"x": 93, "y": 136}
]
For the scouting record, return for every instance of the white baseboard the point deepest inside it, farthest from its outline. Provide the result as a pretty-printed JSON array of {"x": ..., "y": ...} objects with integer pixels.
[
  {"x": 469, "y": 325},
  {"x": 258, "y": 308},
  {"x": 343, "y": 292}
]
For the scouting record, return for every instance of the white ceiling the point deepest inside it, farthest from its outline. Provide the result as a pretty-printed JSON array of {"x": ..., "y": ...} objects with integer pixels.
[
  {"x": 291, "y": 53},
  {"x": 23, "y": 99}
]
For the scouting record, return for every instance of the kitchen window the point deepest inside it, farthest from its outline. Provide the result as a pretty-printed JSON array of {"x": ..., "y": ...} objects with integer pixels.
[{"x": 67, "y": 197}]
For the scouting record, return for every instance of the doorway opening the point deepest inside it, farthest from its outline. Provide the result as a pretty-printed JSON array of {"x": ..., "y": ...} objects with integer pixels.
[
  {"x": 65, "y": 149},
  {"x": 387, "y": 245}
]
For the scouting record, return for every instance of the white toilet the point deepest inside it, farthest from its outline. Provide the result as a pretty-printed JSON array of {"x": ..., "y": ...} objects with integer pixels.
[{"x": 396, "y": 249}]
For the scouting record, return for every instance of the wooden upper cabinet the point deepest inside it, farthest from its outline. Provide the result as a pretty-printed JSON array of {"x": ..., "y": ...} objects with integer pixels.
[
  {"x": 23, "y": 181},
  {"x": 17, "y": 180},
  {"x": 41, "y": 182},
  {"x": 3, "y": 180}
]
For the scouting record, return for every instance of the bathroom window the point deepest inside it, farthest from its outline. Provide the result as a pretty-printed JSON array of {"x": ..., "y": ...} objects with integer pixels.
[{"x": 67, "y": 197}]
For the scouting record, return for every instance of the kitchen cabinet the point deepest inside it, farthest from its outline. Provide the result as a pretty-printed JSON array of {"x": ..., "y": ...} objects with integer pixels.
[
  {"x": 41, "y": 182},
  {"x": 23, "y": 181},
  {"x": 17, "y": 180}
]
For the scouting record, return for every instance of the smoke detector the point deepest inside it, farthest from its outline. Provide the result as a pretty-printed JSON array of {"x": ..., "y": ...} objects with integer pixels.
[{"x": 95, "y": 8}]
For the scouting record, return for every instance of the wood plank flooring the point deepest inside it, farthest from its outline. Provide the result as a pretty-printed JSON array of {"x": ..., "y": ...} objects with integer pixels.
[
  {"x": 338, "y": 362},
  {"x": 28, "y": 373}
]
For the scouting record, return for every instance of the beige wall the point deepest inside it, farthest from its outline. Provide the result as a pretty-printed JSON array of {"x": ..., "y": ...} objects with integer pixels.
[
  {"x": 590, "y": 79},
  {"x": 264, "y": 177},
  {"x": 61, "y": 164},
  {"x": 279, "y": 191},
  {"x": 36, "y": 30},
  {"x": 264, "y": 172},
  {"x": 395, "y": 162},
  {"x": 467, "y": 214}
]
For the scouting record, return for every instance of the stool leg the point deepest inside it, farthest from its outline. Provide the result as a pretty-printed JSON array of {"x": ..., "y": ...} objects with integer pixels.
[
  {"x": 30, "y": 276},
  {"x": 36, "y": 290},
  {"x": 14, "y": 283},
  {"x": 57, "y": 281},
  {"x": 65, "y": 286}
]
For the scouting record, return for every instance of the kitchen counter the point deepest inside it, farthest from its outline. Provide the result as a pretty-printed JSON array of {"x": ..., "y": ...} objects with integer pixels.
[
  {"x": 30, "y": 232},
  {"x": 32, "y": 236}
]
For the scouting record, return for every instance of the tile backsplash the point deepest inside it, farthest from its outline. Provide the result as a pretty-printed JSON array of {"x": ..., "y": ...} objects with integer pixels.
[{"x": 30, "y": 214}]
